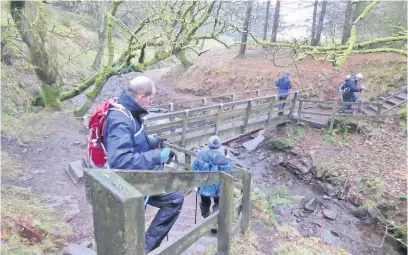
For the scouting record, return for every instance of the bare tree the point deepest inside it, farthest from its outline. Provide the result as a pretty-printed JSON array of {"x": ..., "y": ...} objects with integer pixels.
[
  {"x": 268, "y": 5},
  {"x": 319, "y": 29},
  {"x": 347, "y": 22},
  {"x": 313, "y": 35},
  {"x": 247, "y": 20},
  {"x": 275, "y": 21},
  {"x": 102, "y": 21}
]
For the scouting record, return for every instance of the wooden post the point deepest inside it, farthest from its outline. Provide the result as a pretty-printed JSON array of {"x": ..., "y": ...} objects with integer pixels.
[
  {"x": 225, "y": 215},
  {"x": 171, "y": 106},
  {"x": 184, "y": 131},
  {"x": 233, "y": 97},
  {"x": 292, "y": 106},
  {"x": 118, "y": 215},
  {"x": 321, "y": 92},
  {"x": 258, "y": 93},
  {"x": 379, "y": 111},
  {"x": 246, "y": 183},
  {"x": 300, "y": 111},
  {"x": 248, "y": 112},
  {"x": 271, "y": 107},
  {"x": 333, "y": 115},
  {"x": 204, "y": 101},
  {"x": 217, "y": 124},
  {"x": 187, "y": 160}
]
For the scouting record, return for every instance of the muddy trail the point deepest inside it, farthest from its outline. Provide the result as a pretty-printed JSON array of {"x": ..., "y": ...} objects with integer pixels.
[{"x": 307, "y": 205}]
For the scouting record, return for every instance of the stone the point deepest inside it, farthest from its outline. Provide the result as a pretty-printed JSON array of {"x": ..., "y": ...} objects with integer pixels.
[
  {"x": 75, "y": 249},
  {"x": 77, "y": 143},
  {"x": 360, "y": 212},
  {"x": 26, "y": 177},
  {"x": 87, "y": 243},
  {"x": 39, "y": 171},
  {"x": 24, "y": 150},
  {"x": 330, "y": 213},
  {"x": 329, "y": 189},
  {"x": 373, "y": 212},
  {"x": 234, "y": 152},
  {"x": 242, "y": 156},
  {"x": 311, "y": 203},
  {"x": 76, "y": 171},
  {"x": 261, "y": 157},
  {"x": 254, "y": 143}
]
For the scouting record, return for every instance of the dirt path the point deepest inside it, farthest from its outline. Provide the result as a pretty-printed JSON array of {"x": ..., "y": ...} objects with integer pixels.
[{"x": 45, "y": 160}]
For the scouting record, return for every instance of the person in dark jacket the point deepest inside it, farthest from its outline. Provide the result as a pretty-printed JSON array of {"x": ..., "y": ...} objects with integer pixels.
[
  {"x": 349, "y": 88},
  {"x": 284, "y": 85},
  {"x": 211, "y": 160},
  {"x": 129, "y": 147}
]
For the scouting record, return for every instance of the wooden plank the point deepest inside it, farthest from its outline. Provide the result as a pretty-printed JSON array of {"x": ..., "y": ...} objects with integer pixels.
[
  {"x": 237, "y": 226},
  {"x": 237, "y": 203},
  {"x": 318, "y": 113},
  {"x": 152, "y": 119},
  {"x": 118, "y": 214},
  {"x": 246, "y": 196},
  {"x": 238, "y": 186},
  {"x": 159, "y": 182},
  {"x": 292, "y": 105},
  {"x": 248, "y": 110},
  {"x": 183, "y": 134},
  {"x": 179, "y": 149},
  {"x": 187, "y": 238},
  {"x": 164, "y": 127},
  {"x": 335, "y": 102},
  {"x": 217, "y": 125},
  {"x": 225, "y": 214}
]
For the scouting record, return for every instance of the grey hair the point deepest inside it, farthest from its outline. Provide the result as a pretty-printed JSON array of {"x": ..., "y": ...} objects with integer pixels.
[
  {"x": 360, "y": 76},
  {"x": 141, "y": 85}
]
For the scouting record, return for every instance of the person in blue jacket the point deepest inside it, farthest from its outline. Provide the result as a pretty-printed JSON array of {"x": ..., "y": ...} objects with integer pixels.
[
  {"x": 211, "y": 160},
  {"x": 129, "y": 147},
  {"x": 284, "y": 85},
  {"x": 348, "y": 89}
]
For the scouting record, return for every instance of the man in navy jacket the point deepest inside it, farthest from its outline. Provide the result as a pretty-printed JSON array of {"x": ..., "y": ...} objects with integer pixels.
[
  {"x": 349, "y": 89},
  {"x": 129, "y": 147},
  {"x": 284, "y": 85}
]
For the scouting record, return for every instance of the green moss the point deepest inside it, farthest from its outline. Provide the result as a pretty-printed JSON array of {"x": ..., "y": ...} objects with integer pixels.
[
  {"x": 50, "y": 95},
  {"x": 402, "y": 114},
  {"x": 10, "y": 169},
  {"x": 401, "y": 233}
]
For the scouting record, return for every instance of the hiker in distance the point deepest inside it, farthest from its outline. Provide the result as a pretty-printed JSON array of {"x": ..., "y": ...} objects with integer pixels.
[
  {"x": 284, "y": 85},
  {"x": 211, "y": 160},
  {"x": 348, "y": 88},
  {"x": 129, "y": 147}
]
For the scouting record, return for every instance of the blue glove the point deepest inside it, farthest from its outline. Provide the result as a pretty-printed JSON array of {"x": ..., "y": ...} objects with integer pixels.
[{"x": 166, "y": 155}]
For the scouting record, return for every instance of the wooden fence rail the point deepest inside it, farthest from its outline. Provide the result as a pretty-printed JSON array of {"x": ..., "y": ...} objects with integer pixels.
[{"x": 117, "y": 198}]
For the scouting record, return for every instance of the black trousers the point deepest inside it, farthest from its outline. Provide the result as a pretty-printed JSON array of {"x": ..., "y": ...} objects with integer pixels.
[
  {"x": 206, "y": 204},
  {"x": 170, "y": 206}
]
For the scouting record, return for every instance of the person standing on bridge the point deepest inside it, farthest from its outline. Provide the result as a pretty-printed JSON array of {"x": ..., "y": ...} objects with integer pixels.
[
  {"x": 129, "y": 147},
  {"x": 348, "y": 89},
  {"x": 211, "y": 160},
  {"x": 284, "y": 85}
]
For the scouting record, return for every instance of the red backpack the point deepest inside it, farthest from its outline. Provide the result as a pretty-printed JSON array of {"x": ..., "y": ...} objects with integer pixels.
[{"x": 96, "y": 155}]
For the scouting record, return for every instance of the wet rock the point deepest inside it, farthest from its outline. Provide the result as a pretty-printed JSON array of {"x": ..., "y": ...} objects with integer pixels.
[
  {"x": 360, "y": 212},
  {"x": 330, "y": 237},
  {"x": 242, "y": 156},
  {"x": 75, "y": 249},
  {"x": 87, "y": 243},
  {"x": 301, "y": 166},
  {"x": 24, "y": 150},
  {"x": 234, "y": 152},
  {"x": 329, "y": 189},
  {"x": 311, "y": 203},
  {"x": 254, "y": 143},
  {"x": 77, "y": 143},
  {"x": 279, "y": 145},
  {"x": 330, "y": 213},
  {"x": 76, "y": 171},
  {"x": 372, "y": 212},
  {"x": 261, "y": 157},
  {"x": 39, "y": 171},
  {"x": 26, "y": 177}
]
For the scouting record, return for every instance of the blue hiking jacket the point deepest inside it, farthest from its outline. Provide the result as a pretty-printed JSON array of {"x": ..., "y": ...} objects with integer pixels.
[
  {"x": 284, "y": 85},
  {"x": 211, "y": 160},
  {"x": 351, "y": 83},
  {"x": 127, "y": 144}
]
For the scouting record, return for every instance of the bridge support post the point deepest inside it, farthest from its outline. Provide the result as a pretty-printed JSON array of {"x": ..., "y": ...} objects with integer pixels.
[
  {"x": 171, "y": 107},
  {"x": 332, "y": 118},
  {"x": 204, "y": 101},
  {"x": 292, "y": 106},
  {"x": 379, "y": 111},
  {"x": 184, "y": 131},
  {"x": 225, "y": 215},
  {"x": 271, "y": 107},
  {"x": 258, "y": 93},
  {"x": 246, "y": 193},
  {"x": 217, "y": 124},
  {"x": 300, "y": 111},
  {"x": 248, "y": 112},
  {"x": 187, "y": 161},
  {"x": 118, "y": 214},
  {"x": 233, "y": 97}
]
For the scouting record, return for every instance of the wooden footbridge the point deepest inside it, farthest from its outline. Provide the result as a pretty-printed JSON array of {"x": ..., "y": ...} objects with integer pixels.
[{"x": 117, "y": 196}]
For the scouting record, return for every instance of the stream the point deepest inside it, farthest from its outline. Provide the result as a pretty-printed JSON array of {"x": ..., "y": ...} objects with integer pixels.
[{"x": 304, "y": 206}]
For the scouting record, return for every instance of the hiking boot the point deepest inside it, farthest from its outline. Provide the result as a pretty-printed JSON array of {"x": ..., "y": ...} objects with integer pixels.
[
  {"x": 214, "y": 230},
  {"x": 205, "y": 211}
]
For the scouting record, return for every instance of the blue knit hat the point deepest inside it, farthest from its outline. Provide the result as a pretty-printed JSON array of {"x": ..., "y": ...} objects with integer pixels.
[
  {"x": 287, "y": 74},
  {"x": 214, "y": 142}
]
